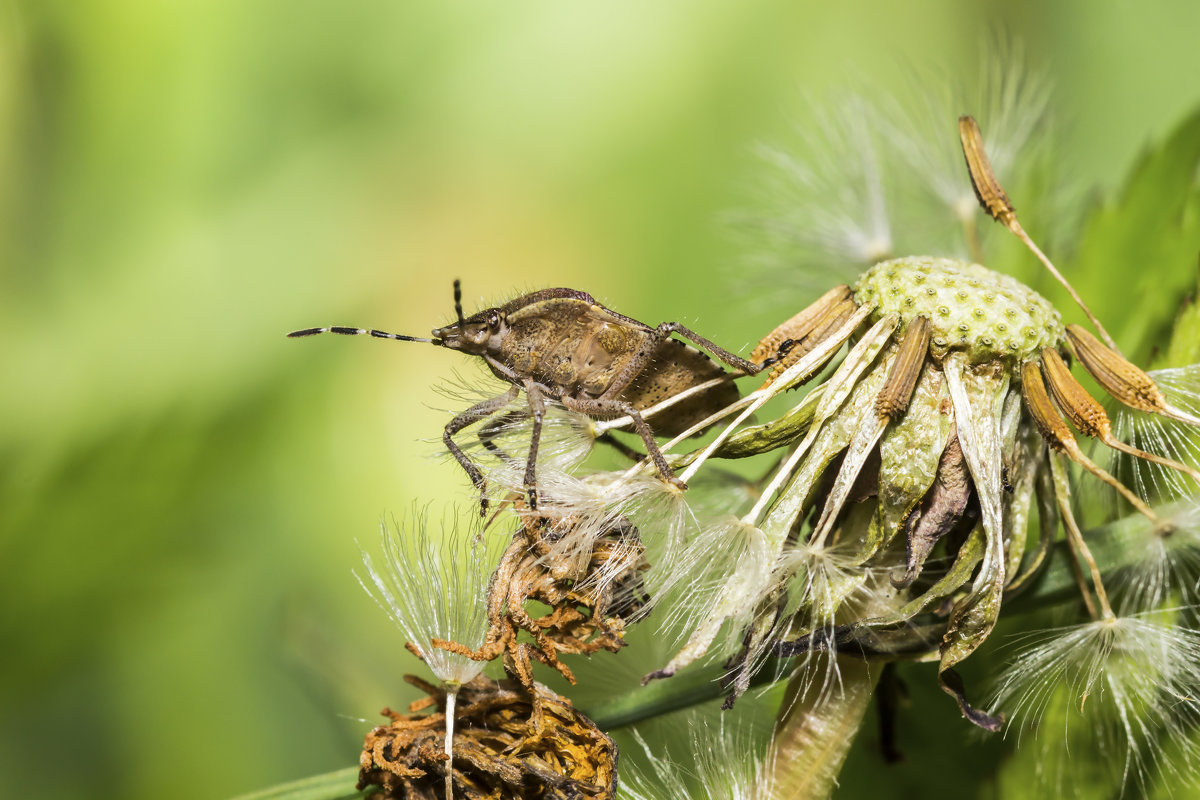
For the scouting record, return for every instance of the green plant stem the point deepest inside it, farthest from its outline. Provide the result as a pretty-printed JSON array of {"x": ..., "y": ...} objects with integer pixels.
[
  {"x": 685, "y": 690},
  {"x": 337, "y": 785},
  {"x": 817, "y": 726}
]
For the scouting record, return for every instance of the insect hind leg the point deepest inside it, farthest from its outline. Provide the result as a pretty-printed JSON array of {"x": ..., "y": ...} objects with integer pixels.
[
  {"x": 617, "y": 408},
  {"x": 537, "y": 406},
  {"x": 622, "y": 448},
  {"x": 665, "y": 329}
]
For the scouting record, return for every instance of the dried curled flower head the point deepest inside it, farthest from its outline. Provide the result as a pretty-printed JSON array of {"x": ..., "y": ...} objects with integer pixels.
[
  {"x": 498, "y": 753},
  {"x": 590, "y": 597}
]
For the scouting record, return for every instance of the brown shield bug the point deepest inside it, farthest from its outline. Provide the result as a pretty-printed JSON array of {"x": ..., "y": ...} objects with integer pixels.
[{"x": 563, "y": 345}]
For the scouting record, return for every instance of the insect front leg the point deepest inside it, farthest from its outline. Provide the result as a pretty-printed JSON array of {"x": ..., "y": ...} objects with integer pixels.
[
  {"x": 616, "y": 408},
  {"x": 537, "y": 406},
  {"x": 472, "y": 415}
]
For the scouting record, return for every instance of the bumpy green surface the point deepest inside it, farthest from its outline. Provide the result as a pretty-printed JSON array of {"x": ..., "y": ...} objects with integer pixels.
[{"x": 989, "y": 315}]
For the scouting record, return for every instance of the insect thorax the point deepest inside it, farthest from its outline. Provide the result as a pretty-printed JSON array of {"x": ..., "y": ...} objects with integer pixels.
[{"x": 571, "y": 345}]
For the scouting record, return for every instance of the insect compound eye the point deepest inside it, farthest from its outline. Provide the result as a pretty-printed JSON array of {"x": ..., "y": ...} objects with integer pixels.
[{"x": 494, "y": 321}]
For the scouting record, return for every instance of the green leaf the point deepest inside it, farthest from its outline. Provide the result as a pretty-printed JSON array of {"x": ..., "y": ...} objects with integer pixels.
[
  {"x": 337, "y": 785},
  {"x": 1185, "y": 343},
  {"x": 1135, "y": 261}
]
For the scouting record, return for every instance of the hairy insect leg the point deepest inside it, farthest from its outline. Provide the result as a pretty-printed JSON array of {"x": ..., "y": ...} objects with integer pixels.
[
  {"x": 470, "y": 416},
  {"x": 491, "y": 429},
  {"x": 622, "y": 448},
  {"x": 665, "y": 329},
  {"x": 537, "y": 406},
  {"x": 616, "y": 408}
]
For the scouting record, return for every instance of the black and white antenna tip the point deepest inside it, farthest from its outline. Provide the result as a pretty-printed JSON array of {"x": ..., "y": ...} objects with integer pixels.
[{"x": 358, "y": 332}]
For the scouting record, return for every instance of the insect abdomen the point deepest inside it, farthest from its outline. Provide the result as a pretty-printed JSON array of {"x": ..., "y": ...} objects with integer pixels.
[{"x": 675, "y": 368}]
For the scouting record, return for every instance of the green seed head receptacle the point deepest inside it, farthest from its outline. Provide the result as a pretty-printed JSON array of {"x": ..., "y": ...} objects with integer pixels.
[{"x": 988, "y": 315}]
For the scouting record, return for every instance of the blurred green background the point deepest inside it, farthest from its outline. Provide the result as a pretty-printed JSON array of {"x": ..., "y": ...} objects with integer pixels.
[{"x": 185, "y": 181}]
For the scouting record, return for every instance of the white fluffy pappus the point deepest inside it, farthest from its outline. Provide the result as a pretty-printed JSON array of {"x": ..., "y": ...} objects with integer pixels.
[
  {"x": 1160, "y": 564},
  {"x": 434, "y": 586},
  {"x": 874, "y": 175},
  {"x": 728, "y": 764},
  {"x": 1120, "y": 687},
  {"x": 1163, "y": 436}
]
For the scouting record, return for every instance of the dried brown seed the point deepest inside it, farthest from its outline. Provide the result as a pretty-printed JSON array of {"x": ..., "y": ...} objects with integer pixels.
[
  {"x": 993, "y": 199},
  {"x": 1086, "y": 413},
  {"x": 801, "y": 325},
  {"x": 806, "y": 330},
  {"x": 1124, "y": 381},
  {"x": 1054, "y": 430},
  {"x": 1083, "y": 410},
  {"x": 1058, "y": 435},
  {"x": 906, "y": 368},
  {"x": 987, "y": 189}
]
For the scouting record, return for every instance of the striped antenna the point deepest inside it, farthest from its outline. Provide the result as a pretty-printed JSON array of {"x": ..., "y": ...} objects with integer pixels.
[
  {"x": 359, "y": 332},
  {"x": 458, "y": 303}
]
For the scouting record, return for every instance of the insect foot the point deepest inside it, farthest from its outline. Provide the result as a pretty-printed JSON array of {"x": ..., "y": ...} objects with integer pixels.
[{"x": 562, "y": 345}]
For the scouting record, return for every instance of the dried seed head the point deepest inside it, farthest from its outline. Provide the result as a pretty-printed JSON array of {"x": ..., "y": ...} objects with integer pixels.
[
  {"x": 969, "y": 307},
  {"x": 590, "y": 597},
  {"x": 1121, "y": 379}
]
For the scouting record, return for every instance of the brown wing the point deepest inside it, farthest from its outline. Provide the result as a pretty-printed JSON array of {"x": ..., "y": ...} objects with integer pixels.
[
  {"x": 674, "y": 368},
  {"x": 570, "y": 344}
]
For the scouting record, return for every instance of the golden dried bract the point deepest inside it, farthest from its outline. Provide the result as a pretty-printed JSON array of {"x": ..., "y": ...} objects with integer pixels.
[{"x": 499, "y": 753}]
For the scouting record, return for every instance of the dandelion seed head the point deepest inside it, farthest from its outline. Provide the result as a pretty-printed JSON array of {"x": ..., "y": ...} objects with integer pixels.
[
  {"x": 874, "y": 176},
  {"x": 1010, "y": 101},
  {"x": 1162, "y": 558},
  {"x": 839, "y": 184},
  {"x": 715, "y": 578}
]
